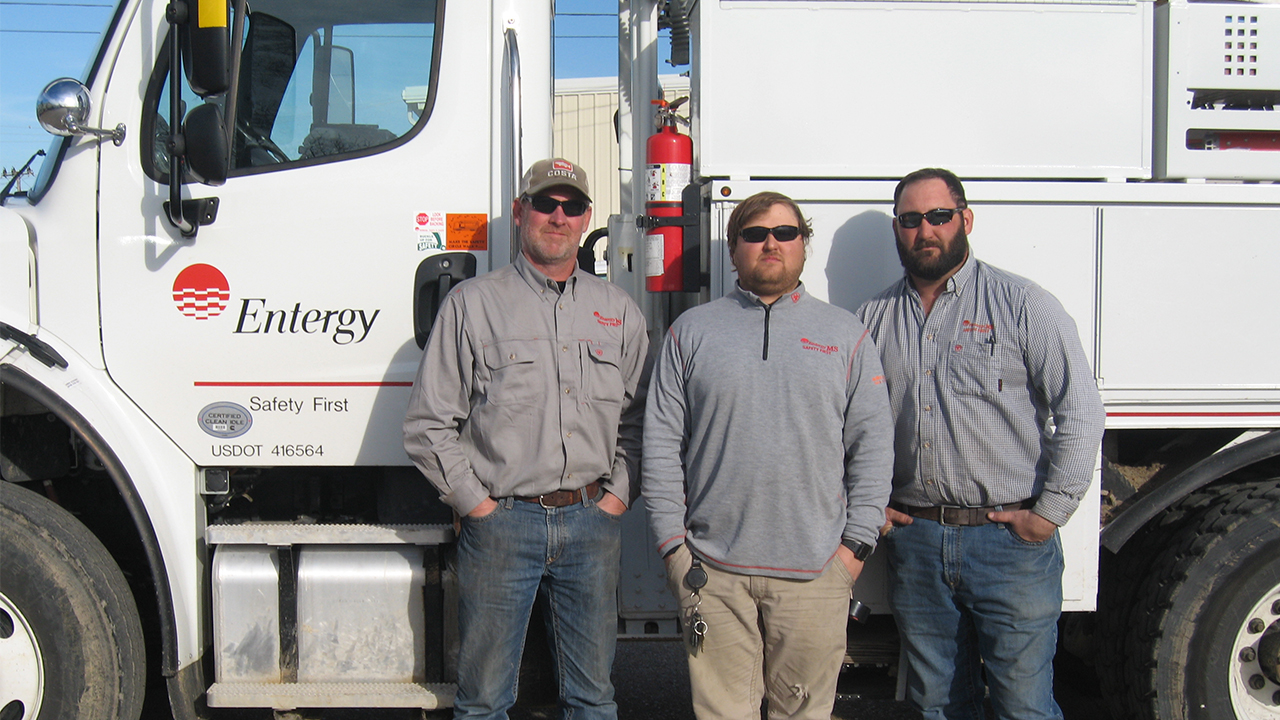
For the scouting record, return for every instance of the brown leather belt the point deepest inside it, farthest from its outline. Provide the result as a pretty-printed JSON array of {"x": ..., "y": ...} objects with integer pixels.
[
  {"x": 960, "y": 516},
  {"x": 561, "y": 498}
]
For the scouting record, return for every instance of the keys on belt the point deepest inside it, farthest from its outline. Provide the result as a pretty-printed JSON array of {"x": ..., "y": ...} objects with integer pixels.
[{"x": 695, "y": 626}]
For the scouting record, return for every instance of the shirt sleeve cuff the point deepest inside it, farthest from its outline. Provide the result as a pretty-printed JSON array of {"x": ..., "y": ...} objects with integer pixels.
[
  {"x": 466, "y": 499},
  {"x": 1056, "y": 508},
  {"x": 620, "y": 490}
]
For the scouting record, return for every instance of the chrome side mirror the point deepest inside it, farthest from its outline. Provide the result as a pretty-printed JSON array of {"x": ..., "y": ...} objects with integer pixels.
[{"x": 63, "y": 107}]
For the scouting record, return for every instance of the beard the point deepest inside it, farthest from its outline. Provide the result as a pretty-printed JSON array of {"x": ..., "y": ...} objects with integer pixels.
[
  {"x": 953, "y": 253},
  {"x": 766, "y": 280}
]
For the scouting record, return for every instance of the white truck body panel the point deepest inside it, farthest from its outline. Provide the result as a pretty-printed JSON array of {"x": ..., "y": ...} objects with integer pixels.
[{"x": 877, "y": 89}]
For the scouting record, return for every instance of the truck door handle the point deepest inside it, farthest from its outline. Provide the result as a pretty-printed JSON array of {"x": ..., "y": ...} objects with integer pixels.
[{"x": 436, "y": 276}]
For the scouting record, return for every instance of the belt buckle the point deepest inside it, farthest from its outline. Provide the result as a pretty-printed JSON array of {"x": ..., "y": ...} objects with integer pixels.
[
  {"x": 942, "y": 515},
  {"x": 542, "y": 499}
]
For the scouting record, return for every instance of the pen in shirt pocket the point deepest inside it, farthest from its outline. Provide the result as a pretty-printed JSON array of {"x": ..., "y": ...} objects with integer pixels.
[{"x": 991, "y": 342}]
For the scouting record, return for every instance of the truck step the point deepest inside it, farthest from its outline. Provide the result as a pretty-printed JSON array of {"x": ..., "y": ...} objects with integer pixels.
[
  {"x": 291, "y": 696},
  {"x": 280, "y": 534}
]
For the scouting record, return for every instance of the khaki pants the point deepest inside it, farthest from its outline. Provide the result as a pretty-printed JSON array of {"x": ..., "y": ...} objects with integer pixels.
[{"x": 784, "y": 639}]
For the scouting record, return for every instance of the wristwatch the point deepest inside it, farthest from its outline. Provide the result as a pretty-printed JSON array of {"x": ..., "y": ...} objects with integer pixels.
[{"x": 861, "y": 550}]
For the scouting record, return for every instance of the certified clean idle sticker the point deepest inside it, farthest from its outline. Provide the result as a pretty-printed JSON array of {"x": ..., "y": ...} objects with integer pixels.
[{"x": 225, "y": 420}]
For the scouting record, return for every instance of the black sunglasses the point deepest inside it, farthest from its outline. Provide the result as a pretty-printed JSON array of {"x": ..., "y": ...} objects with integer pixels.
[
  {"x": 782, "y": 233},
  {"x": 940, "y": 216},
  {"x": 547, "y": 205}
]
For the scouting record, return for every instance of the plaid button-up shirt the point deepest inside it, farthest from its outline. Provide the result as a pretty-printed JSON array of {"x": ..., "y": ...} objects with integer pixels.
[{"x": 992, "y": 394}]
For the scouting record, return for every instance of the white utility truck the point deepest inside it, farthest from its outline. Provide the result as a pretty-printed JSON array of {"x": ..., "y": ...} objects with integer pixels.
[{"x": 214, "y": 296}]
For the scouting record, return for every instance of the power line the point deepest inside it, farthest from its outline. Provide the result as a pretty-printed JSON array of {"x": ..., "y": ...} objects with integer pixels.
[
  {"x": 586, "y": 37},
  {"x": 56, "y": 4},
  {"x": 52, "y": 32}
]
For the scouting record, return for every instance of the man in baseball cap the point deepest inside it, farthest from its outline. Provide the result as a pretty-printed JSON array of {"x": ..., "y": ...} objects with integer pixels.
[{"x": 526, "y": 417}]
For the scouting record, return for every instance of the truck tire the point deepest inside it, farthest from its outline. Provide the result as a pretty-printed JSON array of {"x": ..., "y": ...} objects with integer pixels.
[
  {"x": 1200, "y": 639},
  {"x": 68, "y": 622}
]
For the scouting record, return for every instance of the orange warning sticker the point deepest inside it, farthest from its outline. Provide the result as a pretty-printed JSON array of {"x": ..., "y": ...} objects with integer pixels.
[{"x": 467, "y": 231}]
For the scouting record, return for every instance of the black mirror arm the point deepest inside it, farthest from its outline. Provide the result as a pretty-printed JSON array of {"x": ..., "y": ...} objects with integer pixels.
[{"x": 176, "y": 14}]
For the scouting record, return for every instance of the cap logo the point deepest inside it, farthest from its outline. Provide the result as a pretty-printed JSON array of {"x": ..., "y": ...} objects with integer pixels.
[{"x": 562, "y": 165}]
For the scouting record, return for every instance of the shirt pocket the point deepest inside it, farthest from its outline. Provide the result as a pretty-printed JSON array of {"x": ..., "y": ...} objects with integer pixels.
[
  {"x": 514, "y": 371},
  {"x": 974, "y": 369},
  {"x": 601, "y": 372}
]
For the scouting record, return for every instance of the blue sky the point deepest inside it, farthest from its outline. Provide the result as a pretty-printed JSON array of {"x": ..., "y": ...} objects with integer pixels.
[{"x": 41, "y": 40}]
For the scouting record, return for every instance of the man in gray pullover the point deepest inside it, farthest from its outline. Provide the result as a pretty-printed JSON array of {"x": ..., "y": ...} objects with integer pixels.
[{"x": 767, "y": 460}]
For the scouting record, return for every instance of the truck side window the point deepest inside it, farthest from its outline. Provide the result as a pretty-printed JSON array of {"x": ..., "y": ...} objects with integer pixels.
[{"x": 320, "y": 80}]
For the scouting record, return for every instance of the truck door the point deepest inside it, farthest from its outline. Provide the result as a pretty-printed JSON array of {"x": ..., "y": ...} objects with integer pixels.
[{"x": 283, "y": 332}]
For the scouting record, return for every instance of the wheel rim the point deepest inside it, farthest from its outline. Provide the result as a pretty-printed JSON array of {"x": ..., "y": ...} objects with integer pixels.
[
  {"x": 1255, "y": 662},
  {"x": 21, "y": 665}
]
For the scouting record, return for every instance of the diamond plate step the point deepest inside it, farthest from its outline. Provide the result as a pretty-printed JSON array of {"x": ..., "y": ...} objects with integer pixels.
[
  {"x": 279, "y": 534},
  {"x": 290, "y": 696}
]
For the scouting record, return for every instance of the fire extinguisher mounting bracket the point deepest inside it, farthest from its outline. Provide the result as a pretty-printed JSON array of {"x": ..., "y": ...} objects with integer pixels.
[{"x": 649, "y": 222}]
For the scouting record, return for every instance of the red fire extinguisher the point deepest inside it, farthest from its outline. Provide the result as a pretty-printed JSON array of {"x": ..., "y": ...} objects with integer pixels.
[{"x": 670, "y": 166}]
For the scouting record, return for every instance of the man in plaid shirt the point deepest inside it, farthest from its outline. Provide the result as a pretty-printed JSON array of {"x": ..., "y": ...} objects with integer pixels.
[{"x": 997, "y": 425}]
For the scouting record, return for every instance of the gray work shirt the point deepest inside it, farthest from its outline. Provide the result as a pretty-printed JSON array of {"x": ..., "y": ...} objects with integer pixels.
[
  {"x": 524, "y": 390},
  {"x": 993, "y": 398},
  {"x": 768, "y": 436}
]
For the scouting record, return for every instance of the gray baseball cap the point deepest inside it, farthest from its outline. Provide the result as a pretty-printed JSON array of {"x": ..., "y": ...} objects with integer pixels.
[{"x": 553, "y": 172}]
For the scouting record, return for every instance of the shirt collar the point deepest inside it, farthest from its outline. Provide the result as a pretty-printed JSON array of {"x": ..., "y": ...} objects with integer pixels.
[
  {"x": 746, "y": 297},
  {"x": 964, "y": 278},
  {"x": 539, "y": 281}
]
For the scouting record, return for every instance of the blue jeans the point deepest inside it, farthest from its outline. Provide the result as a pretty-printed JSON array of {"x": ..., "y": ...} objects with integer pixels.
[
  {"x": 568, "y": 555},
  {"x": 965, "y": 597}
]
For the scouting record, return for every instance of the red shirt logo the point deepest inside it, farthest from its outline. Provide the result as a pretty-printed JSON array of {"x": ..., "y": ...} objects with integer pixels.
[
  {"x": 970, "y": 326},
  {"x": 608, "y": 321},
  {"x": 808, "y": 344}
]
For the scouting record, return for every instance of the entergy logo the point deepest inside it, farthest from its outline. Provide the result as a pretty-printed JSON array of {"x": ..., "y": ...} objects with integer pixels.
[
  {"x": 808, "y": 344},
  {"x": 608, "y": 321},
  {"x": 980, "y": 328},
  {"x": 201, "y": 291}
]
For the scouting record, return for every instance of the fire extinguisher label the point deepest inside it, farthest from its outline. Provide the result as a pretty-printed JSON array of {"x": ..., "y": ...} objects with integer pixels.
[
  {"x": 654, "y": 256},
  {"x": 667, "y": 181}
]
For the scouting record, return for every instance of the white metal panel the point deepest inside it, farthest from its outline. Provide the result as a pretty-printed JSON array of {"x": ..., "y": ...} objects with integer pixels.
[
  {"x": 1218, "y": 46},
  {"x": 1186, "y": 299},
  {"x": 877, "y": 89},
  {"x": 17, "y": 269}
]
